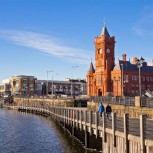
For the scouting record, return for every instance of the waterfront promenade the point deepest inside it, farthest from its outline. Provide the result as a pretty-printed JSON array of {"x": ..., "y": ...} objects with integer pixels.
[{"x": 121, "y": 134}]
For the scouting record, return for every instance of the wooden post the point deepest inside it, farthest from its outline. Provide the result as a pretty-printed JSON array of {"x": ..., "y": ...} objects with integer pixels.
[
  {"x": 86, "y": 132},
  {"x": 126, "y": 142},
  {"x": 73, "y": 133},
  {"x": 113, "y": 128},
  {"x": 73, "y": 122},
  {"x": 71, "y": 117},
  {"x": 81, "y": 119},
  {"x": 74, "y": 118},
  {"x": 142, "y": 139},
  {"x": 64, "y": 118},
  {"x": 86, "y": 139},
  {"x": 90, "y": 121},
  {"x": 103, "y": 133},
  {"x": 103, "y": 122},
  {"x": 77, "y": 113},
  {"x": 96, "y": 122},
  {"x": 85, "y": 119}
]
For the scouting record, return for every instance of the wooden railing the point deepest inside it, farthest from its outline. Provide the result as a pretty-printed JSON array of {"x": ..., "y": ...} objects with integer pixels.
[
  {"x": 126, "y": 101},
  {"x": 93, "y": 119}
]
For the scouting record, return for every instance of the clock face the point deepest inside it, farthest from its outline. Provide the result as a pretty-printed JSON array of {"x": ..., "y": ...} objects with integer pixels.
[
  {"x": 108, "y": 50},
  {"x": 100, "y": 51}
]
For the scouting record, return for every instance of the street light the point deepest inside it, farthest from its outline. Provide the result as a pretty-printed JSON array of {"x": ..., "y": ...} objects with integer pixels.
[
  {"x": 42, "y": 89},
  {"x": 72, "y": 81},
  {"x": 122, "y": 81},
  {"x": 139, "y": 65},
  {"x": 47, "y": 82},
  {"x": 52, "y": 87}
]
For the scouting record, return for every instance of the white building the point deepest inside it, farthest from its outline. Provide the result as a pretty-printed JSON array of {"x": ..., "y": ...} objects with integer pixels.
[{"x": 68, "y": 87}]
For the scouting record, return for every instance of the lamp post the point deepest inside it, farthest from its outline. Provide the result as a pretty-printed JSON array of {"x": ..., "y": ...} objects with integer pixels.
[
  {"x": 52, "y": 87},
  {"x": 122, "y": 81},
  {"x": 47, "y": 82},
  {"x": 42, "y": 89},
  {"x": 139, "y": 65},
  {"x": 72, "y": 80}
]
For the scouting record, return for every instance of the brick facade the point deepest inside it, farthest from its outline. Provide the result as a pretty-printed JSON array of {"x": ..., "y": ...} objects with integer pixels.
[{"x": 107, "y": 79}]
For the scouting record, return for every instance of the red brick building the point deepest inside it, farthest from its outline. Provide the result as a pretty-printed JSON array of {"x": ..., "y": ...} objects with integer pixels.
[{"x": 121, "y": 78}]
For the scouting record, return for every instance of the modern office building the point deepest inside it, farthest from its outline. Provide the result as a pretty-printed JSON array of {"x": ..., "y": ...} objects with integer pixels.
[
  {"x": 22, "y": 85},
  {"x": 4, "y": 89},
  {"x": 30, "y": 86},
  {"x": 123, "y": 78},
  {"x": 56, "y": 87}
]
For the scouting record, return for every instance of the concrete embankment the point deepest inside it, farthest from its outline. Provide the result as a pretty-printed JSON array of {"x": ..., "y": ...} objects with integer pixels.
[{"x": 53, "y": 102}]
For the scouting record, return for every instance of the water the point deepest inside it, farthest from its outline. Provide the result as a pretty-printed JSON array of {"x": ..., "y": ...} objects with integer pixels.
[{"x": 28, "y": 133}]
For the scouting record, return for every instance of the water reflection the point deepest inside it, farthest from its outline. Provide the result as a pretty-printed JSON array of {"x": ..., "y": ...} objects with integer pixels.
[{"x": 27, "y": 133}]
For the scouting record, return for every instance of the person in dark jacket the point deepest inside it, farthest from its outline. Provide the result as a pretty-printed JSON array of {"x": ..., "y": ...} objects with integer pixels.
[
  {"x": 101, "y": 109},
  {"x": 108, "y": 111}
]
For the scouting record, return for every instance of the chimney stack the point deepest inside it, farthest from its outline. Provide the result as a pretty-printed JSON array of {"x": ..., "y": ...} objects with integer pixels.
[
  {"x": 124, "y": 57},
  {"x": 144, "y": 63},
  {"x": 134, "y": 60}
]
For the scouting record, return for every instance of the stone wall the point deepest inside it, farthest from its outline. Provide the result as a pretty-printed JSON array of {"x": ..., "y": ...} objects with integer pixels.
[{"x": 51, "y": 102}]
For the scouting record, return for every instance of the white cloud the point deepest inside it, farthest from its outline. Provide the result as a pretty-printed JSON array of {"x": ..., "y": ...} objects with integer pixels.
[
  {"x": 139, "y": 31},
  {"x": 143, "y": 27},
  {"x": 46, "y": 44}
]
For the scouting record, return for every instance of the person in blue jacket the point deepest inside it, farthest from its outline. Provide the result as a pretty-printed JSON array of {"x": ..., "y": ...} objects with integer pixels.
[{"x": 101, "y": 109}]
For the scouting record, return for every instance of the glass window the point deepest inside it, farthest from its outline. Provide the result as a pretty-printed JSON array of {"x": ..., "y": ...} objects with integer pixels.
[{"x": 24, "y": 81}]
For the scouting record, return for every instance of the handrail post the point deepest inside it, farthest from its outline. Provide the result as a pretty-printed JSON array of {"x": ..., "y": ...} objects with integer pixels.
[
  {"x": 86, "y": 132},
  {"x": 103, "y": 132},
  {"x": 103, "y": 122},
  {"x": 113, "y": 128},
  {"x": 73, "y": 123},
  {"x": 85, "y": 119},
  {"x": 142, "y": 139},
  {"x": 64, "y": 117},
  {"x": 69, "y": 116},
  {"x": 74, "y": 118},
  {"x": 90, "y": 121},
  {"x": 81, "y": 119},
  {"x": 77, "y": 113},
  {"x": 126, "y": 144},
  {"x": 96, "y": 122}
]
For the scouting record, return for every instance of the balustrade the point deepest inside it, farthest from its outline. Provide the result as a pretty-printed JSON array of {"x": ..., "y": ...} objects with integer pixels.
[{"x": 93, "y": 123}]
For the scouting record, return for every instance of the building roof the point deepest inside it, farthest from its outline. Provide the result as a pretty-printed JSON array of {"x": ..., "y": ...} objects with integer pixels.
[
  {"x": 105, "y": 31},
  {"x": 128, "y": 66},
  {"x": 76, "y": 80},
  {"x": 23, "y": 76},
  {"x": 60, "y": 82},
  {"x": 91, "y": 69}
]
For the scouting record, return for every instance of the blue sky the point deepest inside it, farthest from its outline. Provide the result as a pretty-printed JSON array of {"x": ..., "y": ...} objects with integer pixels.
[{"x": 41, "y": 35}]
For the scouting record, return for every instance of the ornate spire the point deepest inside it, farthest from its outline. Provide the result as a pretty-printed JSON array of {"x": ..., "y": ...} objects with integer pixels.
[
  {"x": 91, "y": 69},
  {"x": 104, "y": 31}
]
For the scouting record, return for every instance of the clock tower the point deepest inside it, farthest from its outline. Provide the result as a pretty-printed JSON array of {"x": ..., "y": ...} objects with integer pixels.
[{"x": 104, "y": 62}]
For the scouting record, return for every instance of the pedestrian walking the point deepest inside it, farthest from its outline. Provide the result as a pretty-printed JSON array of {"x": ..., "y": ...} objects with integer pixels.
[
  {"x": 108, "y": 111},
  {"x": 101, "y": 109}
]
